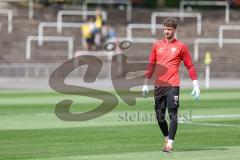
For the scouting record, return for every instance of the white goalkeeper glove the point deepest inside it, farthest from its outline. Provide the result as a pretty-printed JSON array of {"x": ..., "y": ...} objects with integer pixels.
[
  {"x": 196, "y": 91},
  {"x": 145, "y": 88}
]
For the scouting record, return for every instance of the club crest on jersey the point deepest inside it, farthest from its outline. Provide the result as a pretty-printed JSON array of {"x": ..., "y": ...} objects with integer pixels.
[
  {"x": 173, "y": 50},
  {"x": 160, "y": 50},
  {"x": 175, "y": 98}
]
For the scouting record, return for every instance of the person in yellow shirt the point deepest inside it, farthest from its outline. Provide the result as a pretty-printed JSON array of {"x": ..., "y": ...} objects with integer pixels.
[
  {"x": 98, "y": 21},
  {"x": 98, "y": 28},
  {"x": 91, "y": 32},
  {"x": 87, "y": 38}
]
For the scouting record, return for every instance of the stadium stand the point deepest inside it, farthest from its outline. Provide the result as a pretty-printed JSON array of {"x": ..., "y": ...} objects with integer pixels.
[{"x": 13, "y": 46}]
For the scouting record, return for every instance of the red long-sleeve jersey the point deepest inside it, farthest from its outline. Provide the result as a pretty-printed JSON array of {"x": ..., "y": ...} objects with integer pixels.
[{"x": 165, "y": 59}]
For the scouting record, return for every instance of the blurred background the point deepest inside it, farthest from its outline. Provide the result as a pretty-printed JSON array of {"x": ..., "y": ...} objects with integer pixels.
[{"x": 39, "y": 35}]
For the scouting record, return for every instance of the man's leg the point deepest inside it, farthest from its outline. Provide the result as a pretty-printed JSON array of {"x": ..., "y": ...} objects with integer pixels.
[
  {"x": 172, "y": 128},
  {"x": 172, "y": 105},
  {"x": 160, "y": 109},
  {"x": 173, "y": 115}
]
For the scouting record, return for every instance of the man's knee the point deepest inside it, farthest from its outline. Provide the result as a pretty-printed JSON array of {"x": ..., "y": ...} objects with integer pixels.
[
  {"x": 160, "y": 113},
  {"x": 173, "y": 114}
]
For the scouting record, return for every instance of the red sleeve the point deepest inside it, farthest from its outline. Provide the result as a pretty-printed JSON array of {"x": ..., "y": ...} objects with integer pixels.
[
  {"x": 152, "y": 62},
  {"x": 187, "y": 60}
]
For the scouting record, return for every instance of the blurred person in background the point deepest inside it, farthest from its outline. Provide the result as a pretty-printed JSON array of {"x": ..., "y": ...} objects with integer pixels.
[
  {"x": 87, "y": 35},
  {"x": 91, "y": 32},
  {"x": 98, "y": 28},
  {"x": 108, "y": 32}
]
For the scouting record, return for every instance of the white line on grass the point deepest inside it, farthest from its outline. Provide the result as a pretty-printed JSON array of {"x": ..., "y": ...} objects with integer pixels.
[
  {"x": 211, "y": 124},
  {"x": 216, "y": 116}
]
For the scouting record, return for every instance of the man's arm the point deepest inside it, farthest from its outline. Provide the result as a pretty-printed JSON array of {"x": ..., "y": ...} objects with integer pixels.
[
  {"x": 191, "y": 71},
  {"x": 149, "y": 71},
  {"x": 152, "y": 62}
]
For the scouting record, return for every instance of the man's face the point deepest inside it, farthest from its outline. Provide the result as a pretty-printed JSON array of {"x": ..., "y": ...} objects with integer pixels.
[{"x": 169, "y": 32}]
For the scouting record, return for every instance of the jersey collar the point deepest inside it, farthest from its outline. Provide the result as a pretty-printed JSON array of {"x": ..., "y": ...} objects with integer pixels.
[{"x": 165, "y": 41}]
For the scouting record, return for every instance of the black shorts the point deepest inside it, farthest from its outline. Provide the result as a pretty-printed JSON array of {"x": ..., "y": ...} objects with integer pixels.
[
  {"x": 166, "y": 97},
  {"x": 90, "y": 41}
]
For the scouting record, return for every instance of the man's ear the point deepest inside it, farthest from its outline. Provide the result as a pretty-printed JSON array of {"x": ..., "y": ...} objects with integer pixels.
[{"x": 175, "y": 30}]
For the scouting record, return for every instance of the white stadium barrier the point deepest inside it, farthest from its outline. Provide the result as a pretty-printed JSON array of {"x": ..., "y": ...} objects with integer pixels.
[
  {"x": 225, "y": 27},
  {"x": 176, "y": 14},
  {"x": 30, "y": 6},
  {"x": 70, "y": 41},
  {"x": 10, "y": 18},
  {"x": 209, "y": 41},
  {"x": 207, "y": 3},
  {"x": 132, "y": 26},
  {"x": 123, "y": 2},
  {"x": 42, "y": 25},
  {"x": 62, "y": 13}
]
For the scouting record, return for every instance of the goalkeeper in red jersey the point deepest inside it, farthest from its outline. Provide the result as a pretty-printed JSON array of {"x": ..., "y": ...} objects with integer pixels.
[{"x": 165, "y": 58}]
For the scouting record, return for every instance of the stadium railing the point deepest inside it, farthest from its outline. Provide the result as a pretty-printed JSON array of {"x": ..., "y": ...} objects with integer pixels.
[
  {"x": 175, "y": 14},
  {"x": 197, "y": 41},
  {"x": 123, "y": 2},
  {"x": 225, "y": 27},
  {"x": 9, "y": 13},
  {"x": 70, "y": 41},
  {"x": 207, "y": 3},
  {"x": 62, "y": 13},
  {"x": 30, "y": 6},
  {"x": 132, "y": 26},
  {"x": 42, "y": 25}
]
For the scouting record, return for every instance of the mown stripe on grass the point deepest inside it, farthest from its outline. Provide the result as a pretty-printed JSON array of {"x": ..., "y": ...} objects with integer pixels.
[{"x": 222, "y": 153}]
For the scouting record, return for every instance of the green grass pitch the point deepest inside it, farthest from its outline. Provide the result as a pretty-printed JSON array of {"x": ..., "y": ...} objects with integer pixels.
[{"x": 30, "y": 130}]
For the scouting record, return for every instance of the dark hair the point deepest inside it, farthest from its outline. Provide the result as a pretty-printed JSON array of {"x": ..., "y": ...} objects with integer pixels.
[{"x": 170, "y": 22}]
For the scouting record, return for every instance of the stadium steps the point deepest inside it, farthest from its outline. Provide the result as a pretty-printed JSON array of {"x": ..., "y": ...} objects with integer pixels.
[{"x": 13, "y": 46}]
